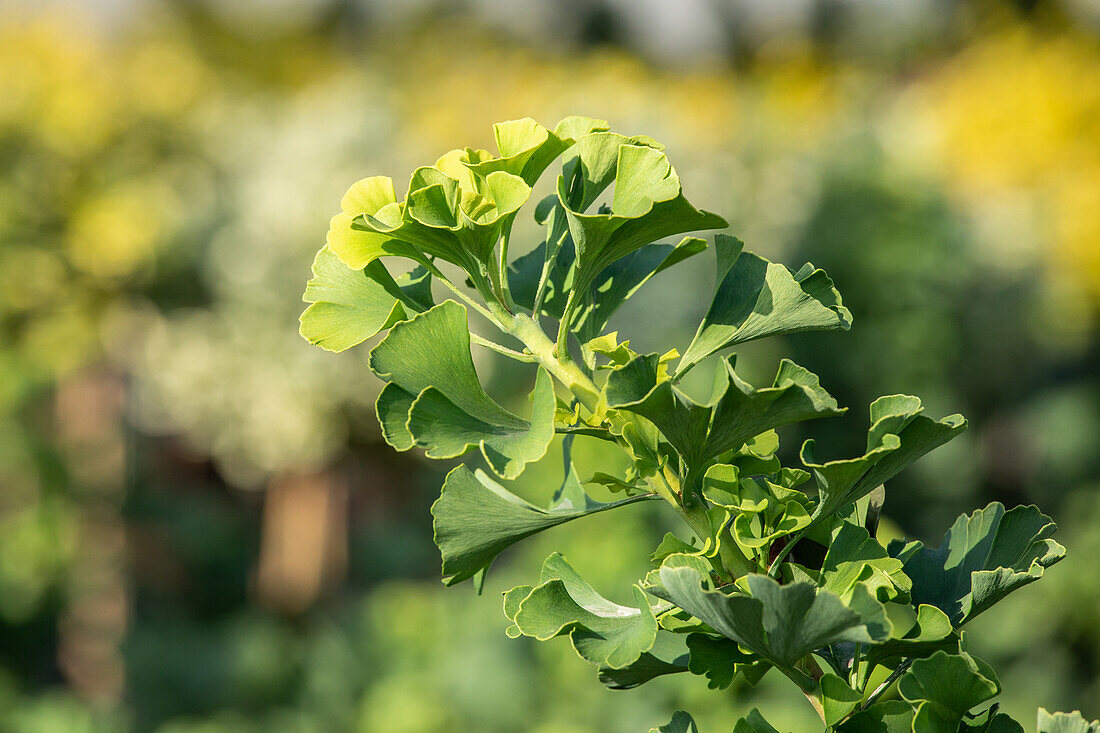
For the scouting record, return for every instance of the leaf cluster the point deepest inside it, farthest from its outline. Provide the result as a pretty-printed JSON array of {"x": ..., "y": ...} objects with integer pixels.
[{"x": 781, "y": 568}]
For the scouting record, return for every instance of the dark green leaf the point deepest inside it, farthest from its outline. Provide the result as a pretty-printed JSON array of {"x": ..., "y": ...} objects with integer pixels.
[
  {"x": 681, "y": 723},
  {"x": 984, "y": 557},
  {"x": 944, "y": 687}
]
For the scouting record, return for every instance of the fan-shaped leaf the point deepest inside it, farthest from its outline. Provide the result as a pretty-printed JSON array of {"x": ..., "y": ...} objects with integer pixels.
[
  {"x": 475, "y": 519},
  {"x": 755, "y": 298},
  {"x": 984, "y": 557},
  {"x": 604, "y": 633},
  {"x": 898, "y": 436},
  {"x": 429, "y": 357}
]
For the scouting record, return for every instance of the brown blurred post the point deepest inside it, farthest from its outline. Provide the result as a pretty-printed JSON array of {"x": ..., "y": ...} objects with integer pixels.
[
  {"x": 303, "y": 549},
  {"x": 88, "y": 411}
]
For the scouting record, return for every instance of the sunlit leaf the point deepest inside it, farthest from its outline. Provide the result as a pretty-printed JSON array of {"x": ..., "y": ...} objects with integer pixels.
[
  {"x": 755, "y": 298},
  {"x": 898, "y": 436},
  {"x": 429, "y": 357},
  {"x": 604, "y": 633},
  {"x": 475, "y": 519},
  {"x": 1066, "y": 723},
  {"x": 647, "y": 204},
  {"x": 735, "y": 414}
]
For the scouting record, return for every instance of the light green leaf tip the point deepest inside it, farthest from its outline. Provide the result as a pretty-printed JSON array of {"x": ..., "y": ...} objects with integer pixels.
[
  {"x": 984, "y": 557},
  {"x": 1066, "y": 723},
  {"x": 347, "y": 306},
  {"x": 432, "y": 382},
  {"x": 475, "y": 519},
  {"x": 754, "y": 298}
]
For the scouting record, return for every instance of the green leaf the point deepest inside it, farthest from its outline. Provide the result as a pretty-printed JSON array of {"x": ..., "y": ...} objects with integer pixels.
[
  {"x": 429, "y": 356},
  {"x": 647, "y": 204},
  {"x": 669, "y": 655},
  {"x": 718, "y": 659},
  {"x": 616, "y": 283},
  {"x": 1066, "y": 723},
  {"x": 898, "y": 436},
  {"x": 931, "y": 632},
  {"x": 782, "y": 624},
  {"x": 854, "y": 558},
  {"x": 526, "y": 148},
  {"x": 602, "y": 632},
  {"x": 837, "y": 698},
  {"x": 736, "y": 412},
  {"x": 681, "y": 723},
  {"x": 348, "y": 306},
  {"x": 458, "y": 220},
  {"x": 944, "y": 687},
  {"x": 892, "y": 716},
  {"x": 984, "y": 557},
  {"x": 612, "y": 287},
  {"x": 755, "y": 298},
  {"x": 475, "y": 519},
  {"x": 753, "y": 723}
]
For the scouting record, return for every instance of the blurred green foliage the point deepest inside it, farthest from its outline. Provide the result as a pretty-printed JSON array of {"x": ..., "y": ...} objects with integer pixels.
[{"x": 164, "y": 183}]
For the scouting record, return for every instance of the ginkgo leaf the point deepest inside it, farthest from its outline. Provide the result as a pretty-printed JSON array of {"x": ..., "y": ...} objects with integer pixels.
[
  {"x": 755, "y": 298},
  {"x": 837, "y": 699},
  {"x": 604, "y": 633},
  {"x": 892, "y": 716},
  {"x": 438, "y": 219},
  {"x": 898, "y": 436},
  {"x": 428, "y": 357},
  {"x": 984, "y": 557},
  {"x": 475, "y": 519},
  {"x": 854, "y": 557},
  {"x": 668, "y": 655},
  {"x": 781, "y": 624},
  {"x": 753, "y": 723},
  {"x": 736, "y": 412},
  {"x": 1065, "y": 723},
  {"x": 681, "y": 723},
  {"x": 348, "y": 306},
  {"x": 717, "y": 658},
  {"x": 931, "y": 632},
  {"x": 647, "y": 204},
  {"x": 944, "y": 687},
  {"x": 526, "y": 148}
]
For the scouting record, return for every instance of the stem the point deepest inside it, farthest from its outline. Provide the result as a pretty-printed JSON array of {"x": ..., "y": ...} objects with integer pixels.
[
  {"x": 563, "y": 327},
  {"x": 548, "y": 265},
  {"x": 853, "y": 676},
  {"x": 565, "y": 371},
  {"x": 510, "y": 353},
  {"x": 773, "y": 571},
  {"x": 465, "y": 298},
  {"x": 874, "y": 696},
  {"x": 505, "y": 289}
]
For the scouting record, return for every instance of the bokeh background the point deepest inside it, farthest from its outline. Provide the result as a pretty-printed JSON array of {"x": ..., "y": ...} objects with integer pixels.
[{"x": 201, "y": 530}]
